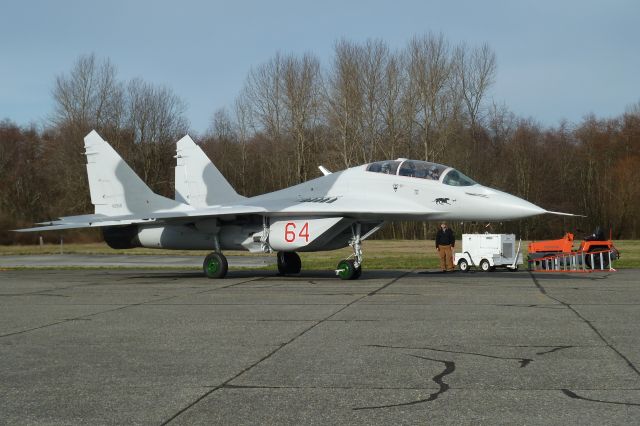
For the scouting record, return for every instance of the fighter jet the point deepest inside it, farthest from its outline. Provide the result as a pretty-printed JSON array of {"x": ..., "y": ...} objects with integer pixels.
[{"x": 332, "y": 211}]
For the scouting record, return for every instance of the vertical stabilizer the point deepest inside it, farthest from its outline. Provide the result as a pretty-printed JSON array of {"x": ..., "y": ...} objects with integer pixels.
[
  {"x": 115, "y": 188},
  {"x": 198, "y": 182}
]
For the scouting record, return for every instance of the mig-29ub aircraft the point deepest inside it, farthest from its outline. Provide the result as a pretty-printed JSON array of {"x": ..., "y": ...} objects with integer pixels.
[{"x": 326, "y": 213}]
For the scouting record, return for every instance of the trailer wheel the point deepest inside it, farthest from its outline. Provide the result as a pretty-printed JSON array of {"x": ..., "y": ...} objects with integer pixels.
[
  {"x": 596, "y": 258},
  {"x": 484, "y": 265},
  {"x": 463, "y": 265}
]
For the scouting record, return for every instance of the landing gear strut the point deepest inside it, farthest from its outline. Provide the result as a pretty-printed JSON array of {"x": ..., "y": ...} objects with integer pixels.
[
  {"x": 351, "y": 269},
  {"x": 215, "y": 265},
  {"x": 289, "y": 262}
]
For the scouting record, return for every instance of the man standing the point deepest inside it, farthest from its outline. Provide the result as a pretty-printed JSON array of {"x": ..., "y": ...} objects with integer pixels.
[{"x": 445, "y": 241}]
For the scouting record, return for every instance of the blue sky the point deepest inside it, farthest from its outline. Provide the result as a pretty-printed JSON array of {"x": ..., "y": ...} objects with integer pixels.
[{"x": 556, "y": 59}]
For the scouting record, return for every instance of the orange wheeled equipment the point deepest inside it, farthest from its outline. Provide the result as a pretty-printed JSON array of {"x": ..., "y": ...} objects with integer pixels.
[{"x": 594, "y": 253}]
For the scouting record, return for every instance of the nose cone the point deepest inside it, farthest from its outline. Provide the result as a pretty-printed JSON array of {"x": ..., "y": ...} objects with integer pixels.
[{"x": 511, "y": 207}]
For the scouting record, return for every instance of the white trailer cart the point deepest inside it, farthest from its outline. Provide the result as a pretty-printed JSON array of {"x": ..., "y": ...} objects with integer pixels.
[{"x": 488, "y": 251}]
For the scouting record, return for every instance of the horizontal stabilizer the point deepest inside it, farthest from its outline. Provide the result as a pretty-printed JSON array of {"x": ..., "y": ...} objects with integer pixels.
[{"x": 57, "y": 227}]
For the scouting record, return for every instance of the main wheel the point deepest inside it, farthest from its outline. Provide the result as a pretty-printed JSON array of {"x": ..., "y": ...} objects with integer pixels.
[
  {"x": 484, "y": 265},
  {"x": 215, "y": 265},
  {"x": 463, "y": 265},
  {"x": 289, "y": 262},
  {"x": 358, "y": 273},
  {"x": 346, "y": 269}
]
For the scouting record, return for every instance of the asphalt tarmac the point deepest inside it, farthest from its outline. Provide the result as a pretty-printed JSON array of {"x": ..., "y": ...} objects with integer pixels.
[{"x": 395, "y": 347}]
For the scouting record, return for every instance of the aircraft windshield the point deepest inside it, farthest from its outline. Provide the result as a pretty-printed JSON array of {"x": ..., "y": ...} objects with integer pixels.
[
  {"x": 455, "y": 178},
  {"x": 421, "y": 169},
  {"x": 386, "y": 167},
  {"x": 410, "y": 168}
]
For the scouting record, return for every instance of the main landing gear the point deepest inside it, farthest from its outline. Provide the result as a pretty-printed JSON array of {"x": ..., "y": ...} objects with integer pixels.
[
  {"x": 289, "y": 262},
  {"x": 215, "y": 265}
]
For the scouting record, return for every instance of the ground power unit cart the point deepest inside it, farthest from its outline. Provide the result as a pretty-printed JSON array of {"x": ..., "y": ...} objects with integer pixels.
[{"x": 489, "y": 251}]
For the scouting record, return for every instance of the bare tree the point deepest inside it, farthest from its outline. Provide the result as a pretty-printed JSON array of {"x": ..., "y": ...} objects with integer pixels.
[
  {"x": 394, "y": 122},
  {"x": 155, "y": 118},
  {"x": 373, "y": 60},
  {"x": 301, "y": 100},
  {"x": 344, "y": 101},
  {"x": 432, "y": 91},
  {"x": 88, "y": 97},
  {"x": 244, "y": 126},
  {"x": 222, "y": 127},
  {"x": 263, "y": 90},
  {"x": 23, "y": 194},
  {"x": 282, "y": 97},
  {"x": 475, "y": 72}
]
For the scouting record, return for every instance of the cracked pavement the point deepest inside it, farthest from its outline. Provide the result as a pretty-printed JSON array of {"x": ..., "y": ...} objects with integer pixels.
[{"x": 172, "y": 347}]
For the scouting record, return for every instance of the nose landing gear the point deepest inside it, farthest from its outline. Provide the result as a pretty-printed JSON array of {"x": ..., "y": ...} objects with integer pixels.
[{"x": 351, "y": 269}]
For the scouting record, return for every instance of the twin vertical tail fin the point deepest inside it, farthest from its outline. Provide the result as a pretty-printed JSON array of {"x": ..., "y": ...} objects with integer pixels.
[
  {"x": 198, "y": 182},
  {"x": 115, "y": 188}
]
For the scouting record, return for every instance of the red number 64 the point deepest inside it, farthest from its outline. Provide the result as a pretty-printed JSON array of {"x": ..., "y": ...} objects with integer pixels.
[{"x": 290, "y": 232}]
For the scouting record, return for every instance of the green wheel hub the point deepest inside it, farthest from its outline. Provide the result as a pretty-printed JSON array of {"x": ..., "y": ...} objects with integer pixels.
[
  {"x": 346, "y": 270},
  {"x": 213, "y": 265}
]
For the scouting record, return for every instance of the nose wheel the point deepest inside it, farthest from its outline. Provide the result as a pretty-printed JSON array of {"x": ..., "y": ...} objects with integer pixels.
[{"x": 347, "y": 270}]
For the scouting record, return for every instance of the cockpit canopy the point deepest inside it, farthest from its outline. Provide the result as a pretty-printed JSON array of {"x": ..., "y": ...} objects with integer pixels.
[{"x": 422, "y": 170}]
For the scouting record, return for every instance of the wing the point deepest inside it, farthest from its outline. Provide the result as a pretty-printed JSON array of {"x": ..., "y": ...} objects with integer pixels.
[{"x": 99, "y": 221}]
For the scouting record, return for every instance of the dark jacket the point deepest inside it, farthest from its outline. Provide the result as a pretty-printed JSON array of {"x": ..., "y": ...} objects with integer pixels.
[{"x": 445, "y": 237}]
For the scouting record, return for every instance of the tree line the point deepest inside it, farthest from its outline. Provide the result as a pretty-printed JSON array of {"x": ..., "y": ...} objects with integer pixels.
[{"x": 426, "y": 101}]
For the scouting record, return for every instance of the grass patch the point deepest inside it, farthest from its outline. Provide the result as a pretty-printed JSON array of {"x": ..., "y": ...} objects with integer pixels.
[
  {"x": 378, "y": 254},
  {"x": 629, "y": 254}
]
